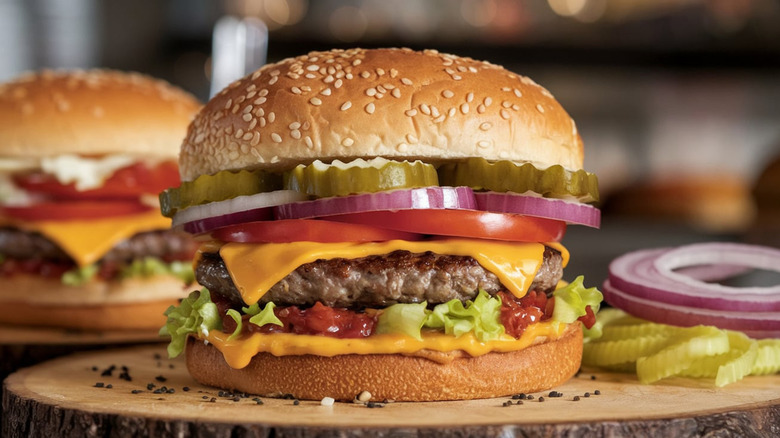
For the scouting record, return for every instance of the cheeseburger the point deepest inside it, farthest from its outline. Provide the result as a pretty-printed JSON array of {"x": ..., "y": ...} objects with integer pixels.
[
  {"x": 384, "y": 221},
  {"x": 83, "y": 155}
]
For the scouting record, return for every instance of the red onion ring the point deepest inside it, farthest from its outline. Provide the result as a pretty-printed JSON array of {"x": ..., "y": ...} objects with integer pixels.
[
  {"x": 208, "y": 224},
  {"x": 558, "y": 209},
  {"x": 754, "y": 324},
  {"x": 407, "y": 199},
  {"x": 651, "y": 284}
]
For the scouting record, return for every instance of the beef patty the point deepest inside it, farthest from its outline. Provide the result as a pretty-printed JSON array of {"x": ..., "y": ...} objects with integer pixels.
[
  {"x": 164, "y": 244},
  {"x": 377, "y": 281}
]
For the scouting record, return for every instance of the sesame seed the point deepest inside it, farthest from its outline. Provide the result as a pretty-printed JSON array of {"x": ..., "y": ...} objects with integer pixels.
[
  {"x": 273, "y": 80},
  {"x": 251, "y": 94},
  {"x": 472, "y": 69},
  {"x": 328, "y": 79},
  {"x": 406, "y": 81},
  {"x": 456, "y": 77},
  {"x": 276, "y": 138},
  {"x": 371, "y": 92},
  {"x": 262, "y": 122},
  {"x": 576, "y": 398},
  {"x": 356, "y": 62},
  {"x": 451, "y": 112},
  {"x": 435, "y": 111},
  {"x": 365, "y": 75},
  {"x": 310, "y": 76},
  {"x": 505, "y": 114},
  {"x": 540, "y": 108},
  {"x": 370, "y": 108},
  {"x": 464, "y": 108},
  {"x": 239, "y": 133},
  {"x": 294, "y": 125},
  {"x": 488, "y": 101},
  {"x": 309, "y": 142},
  {"x": 411, "y": 138},
  {"x": 447, "y": 94},
  {"x": 381, "y": 89},
  {"x": 439, "y": 119},
  {"x": 247, "y": 117},
  {"x": 235, "y": 109},
  {"x": 364, "y": 396},
  {"x": 411, "y": 113},
  {"x": 379, "y": 95},
  {"x": 485, "y": 126},
  {"x": 483, "y": 143},
  {"x": 402, "y": 147},
  {"x": 315, "y": 101},
  {"x": 347, "y": 142},
  {"x": 296, "y": 90},
  {"x": 481, "y": 108},
  {"x": 506, "y": 89},
  {"x": 425, "y": 109},
  {"x": 296, "y": 134},
  {"x": 346, "y": 105},
  {"x": 518, "y": 93},
  {"x": 229, "y": 103},
  {"x": 271, "y": 117},
  {"x": 305, "y": 88},
  {"x": 449, "y": 71},
  {"x": 338, "y": 83},
  {"x": 248, "y": 109},
  {"x": 470, "y": 97},
  {"x": 305, "y": 126},
  {"x": 313, "y": 67},
  {"x": 260, "y": 100},
  {"x": 275, "y": 73},
  {"x": 396, "y": 93},
  {"x": 349, "y": 76},
  {"x": 325, "y": 92},
  {"x": 263, "y": 92},
  {"x": 380, "y": 72},
  {"x": 506, "y": 104},
  {"x": 327, "y": 401},
  {"x": 255, "y": 140}
]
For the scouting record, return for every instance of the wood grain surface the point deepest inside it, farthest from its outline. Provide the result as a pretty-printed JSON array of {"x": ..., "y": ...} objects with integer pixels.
[{"x": 64, "y": 397}]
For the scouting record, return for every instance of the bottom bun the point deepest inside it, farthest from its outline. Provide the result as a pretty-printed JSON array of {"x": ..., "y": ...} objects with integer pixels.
[
  {"x": 393, "y": 376},
  {"x": 131, "y": 304}
]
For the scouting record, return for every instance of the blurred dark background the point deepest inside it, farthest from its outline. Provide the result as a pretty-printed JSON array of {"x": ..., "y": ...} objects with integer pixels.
[{"x": 666, "y": 93}]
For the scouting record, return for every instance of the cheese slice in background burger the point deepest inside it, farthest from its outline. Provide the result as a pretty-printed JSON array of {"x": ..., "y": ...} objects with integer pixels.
[
  {"x": 385, "y": 221},
  {"x": 83, "y": 155}
]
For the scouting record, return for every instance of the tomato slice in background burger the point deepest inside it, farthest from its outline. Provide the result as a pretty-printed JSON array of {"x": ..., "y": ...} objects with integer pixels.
[
  {"x": 62, "y": 211},
  {"x": 311, "y": 230},
  {"x": 463, "y": 223},
  {"x": 128, "y": 182}
]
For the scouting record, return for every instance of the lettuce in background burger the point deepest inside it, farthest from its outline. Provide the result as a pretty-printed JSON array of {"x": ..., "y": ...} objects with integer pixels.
[
  {"x": 83, "y": 155},
  {"x": 382, "y": 220}
]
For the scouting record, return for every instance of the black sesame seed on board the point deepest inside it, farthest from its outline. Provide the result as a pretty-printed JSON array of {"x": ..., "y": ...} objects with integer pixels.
[
  {"x": 592, "y": 377},
  {"x": 205, "y": 397},
  {"x": 186, "y": 389},
  {"x": 171, "y": 390},
  {"x": 157, "y": 356},
  {"x": 150, "y": 386},
  {"x": 213, "y": 400},
  {"x": 99, "y": 384},
  {"x": 236, "y": 399},
  {"x": 108, "y": 371},
  {"x": 160, "y": 379},
  {"x": 576, "y": 398},
  {"x": 506, "y": 403},
  {"x": 541, "y": 399},
  {"x": 109, "y": 386},
  {"x": 587, "y": 394},
  {"x": 136, "y": 391},
  {"x": 94, "y": 368},
  {"x": 296, "y": 402},
  {"x": 530, "y": 397},
  {"x": 597, "y": 392}
]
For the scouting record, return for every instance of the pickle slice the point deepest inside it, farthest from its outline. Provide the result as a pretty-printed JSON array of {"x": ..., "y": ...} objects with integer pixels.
[
  {"x": 223, "y": 185},
  {"x": 609, "y": 353},
  {"x": 697, "y": 342},
  {"x": 506, "y": 176},
  {"x": 359, "y": 176},
  {"x": 767, "y": 357}
]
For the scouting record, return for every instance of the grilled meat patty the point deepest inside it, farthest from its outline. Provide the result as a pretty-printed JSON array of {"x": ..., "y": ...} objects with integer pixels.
[
  {"x": 377, "y": 281},
  {"x": 164, "y": 244}
]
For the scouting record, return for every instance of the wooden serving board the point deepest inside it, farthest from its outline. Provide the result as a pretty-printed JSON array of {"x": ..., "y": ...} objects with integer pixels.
[{"x": 64, "y": 397}]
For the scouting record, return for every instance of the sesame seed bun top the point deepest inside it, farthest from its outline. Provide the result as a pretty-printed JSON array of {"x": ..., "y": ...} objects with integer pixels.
[
  {"x": 92, "y": 112},
  {"x": 394, "y": 103}
]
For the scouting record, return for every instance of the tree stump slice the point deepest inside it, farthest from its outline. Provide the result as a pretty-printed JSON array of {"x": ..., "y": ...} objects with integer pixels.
[{"x": 63, "y": 397}]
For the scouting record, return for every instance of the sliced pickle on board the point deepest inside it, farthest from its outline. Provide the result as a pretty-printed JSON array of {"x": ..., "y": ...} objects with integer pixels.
[
  {"x": 322, "y": 180},
  {"x": 506, "y": 176},
  {"x": 226, "y": 184}
]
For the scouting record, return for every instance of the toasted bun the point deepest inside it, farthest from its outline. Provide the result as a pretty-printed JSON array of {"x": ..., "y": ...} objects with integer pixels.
[
  {"x": 394, "y": 103},
  {"x": 92, "y": 112},
  {"x": 116, "y": 305},
  {"x": 393, "y": 376}
]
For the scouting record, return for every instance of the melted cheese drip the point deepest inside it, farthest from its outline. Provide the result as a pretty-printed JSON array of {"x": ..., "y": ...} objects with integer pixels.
[
  {"x": 256, "y": 267},
  {"x": 86, "y": 241},
  {"x": 238, "y": 352}
]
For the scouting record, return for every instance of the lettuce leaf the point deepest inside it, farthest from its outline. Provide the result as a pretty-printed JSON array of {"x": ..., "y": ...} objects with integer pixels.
[
  {"x": 481, "y": 316},
  {"x": 79, "y": 276},
  {"x": 406, "y": 319},
  {"x": 264, "y": 316},
  {"x": 145, "y": 267},
  {"x": 196, "y": 314},
  {"x": 571, "y": 301}
]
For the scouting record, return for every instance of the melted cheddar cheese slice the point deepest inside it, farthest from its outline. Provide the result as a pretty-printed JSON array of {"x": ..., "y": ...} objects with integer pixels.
[
  {"x": 86, "y": 241},
  {"x": 238, "y": 352},
  {"x": 256, "y": 267}
]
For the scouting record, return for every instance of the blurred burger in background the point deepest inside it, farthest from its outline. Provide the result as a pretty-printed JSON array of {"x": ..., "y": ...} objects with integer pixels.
[
  {"x": 765, "y": 230},
  {"x": 83, "y": 155}
]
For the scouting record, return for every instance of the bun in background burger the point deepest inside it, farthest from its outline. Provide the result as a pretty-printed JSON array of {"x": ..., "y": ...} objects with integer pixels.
[
  {"x": 83, "y": 155},
  {"x": 382, "y": 220}
]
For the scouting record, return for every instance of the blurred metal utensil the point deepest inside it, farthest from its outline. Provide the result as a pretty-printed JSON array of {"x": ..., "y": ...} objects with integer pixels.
[{"x": 239, "y": 47}]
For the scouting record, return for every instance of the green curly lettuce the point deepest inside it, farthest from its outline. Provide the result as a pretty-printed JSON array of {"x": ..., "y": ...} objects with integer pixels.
[
  {"x": 572, "y": 300},
  {"x": 196, "y": 314},
  {"x": 261, "y": 317},
  {"x": 145, "y": 267},
  {"x": 481, "y": 316}
]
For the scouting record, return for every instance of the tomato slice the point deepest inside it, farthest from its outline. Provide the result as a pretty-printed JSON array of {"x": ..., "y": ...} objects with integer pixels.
[
  {"x": 463, "y": 223},
  {"x": 311, "y": 230},
  {"x": 128, "y": 182},
  {"x": 61, "y": 211}
]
